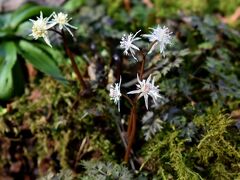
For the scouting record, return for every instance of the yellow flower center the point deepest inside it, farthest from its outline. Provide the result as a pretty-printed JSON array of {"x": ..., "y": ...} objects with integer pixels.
[
  {"x": 39, "y": 29},
  {"x": 61, "y": 18}
]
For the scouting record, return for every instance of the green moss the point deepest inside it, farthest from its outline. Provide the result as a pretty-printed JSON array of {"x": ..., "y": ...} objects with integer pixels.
[
  {"x": 212, "y": 156},
  {"x": 63, "y": 128}
]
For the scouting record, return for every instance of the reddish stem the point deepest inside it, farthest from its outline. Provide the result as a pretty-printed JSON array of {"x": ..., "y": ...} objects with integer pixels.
[
  {"x": 129, "y": 100},
  {"x": 132, "y": 134},
  {"x": 130, "y": 124},
  {"x": 132, "y": 120},
  {"x": 74, "y": 64},
  {"x": 142, "y": 65}
]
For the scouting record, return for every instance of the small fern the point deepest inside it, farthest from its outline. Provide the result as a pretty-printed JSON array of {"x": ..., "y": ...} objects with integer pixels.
[
  {"x": 65, "y": 174},
  {"x": 151, "y": 125},
  {"x": 96, "y": 170}
]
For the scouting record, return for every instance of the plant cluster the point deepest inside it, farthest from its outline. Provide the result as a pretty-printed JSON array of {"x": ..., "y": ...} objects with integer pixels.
[
  {"x": 17, "y": 51},
  {"x": 171, "y": 126},
  {"x": 160, "y": 36}
]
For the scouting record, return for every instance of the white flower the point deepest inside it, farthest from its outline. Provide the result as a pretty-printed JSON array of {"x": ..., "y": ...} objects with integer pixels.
[
  {"x": 145, "y": 89},
  {"x": 115, "y": 93},
  {"x": 40, "y": 28},
  {"x": 161, "y": 36},
  {"x": 62, "y": 20},
  {"x": 126, "y": 43}
]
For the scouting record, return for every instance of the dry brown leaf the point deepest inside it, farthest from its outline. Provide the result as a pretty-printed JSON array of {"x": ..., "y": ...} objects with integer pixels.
[
  {"x": 35, "y": 95},
  {"x": 148, "y": 3},
  {"x": 127, "y": 5},
  {"x": 231, "y": 19}
]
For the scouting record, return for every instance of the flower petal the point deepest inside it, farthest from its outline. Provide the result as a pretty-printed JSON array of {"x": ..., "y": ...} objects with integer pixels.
[
  {"x": 135, "y": 91},
  {"x": 146, "y": 101},
  {"x": 47, "y": 41}
]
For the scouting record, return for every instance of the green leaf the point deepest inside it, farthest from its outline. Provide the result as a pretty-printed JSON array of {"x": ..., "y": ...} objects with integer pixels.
[
  {"x": 3, "y": 111},
  {"x": 3, "y": 33},
  {"x": 27, "y": 12},
  {"x": 206, "y": 45},
  {"x": 23, "y": 30},
  {"x": 72, "y": 5},
  {"x": 6, "y": 65},
  {"x": 4, "y": 18},
  {"x": 54, "y": 53},
  {"x": 40, "y": 60}
]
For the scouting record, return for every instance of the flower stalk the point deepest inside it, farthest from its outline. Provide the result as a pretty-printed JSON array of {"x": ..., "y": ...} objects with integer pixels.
[
  {"x": 74, "y": 64},
  {"x": 132, "y": 120},
  {"x": 131, "y": 133}
]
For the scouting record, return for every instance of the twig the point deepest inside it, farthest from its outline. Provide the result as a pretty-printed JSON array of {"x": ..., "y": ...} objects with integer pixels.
[{"x": 81, "y": 151}]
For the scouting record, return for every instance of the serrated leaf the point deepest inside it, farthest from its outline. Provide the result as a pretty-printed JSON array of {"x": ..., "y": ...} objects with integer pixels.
[{"x": 40, "y": 60}]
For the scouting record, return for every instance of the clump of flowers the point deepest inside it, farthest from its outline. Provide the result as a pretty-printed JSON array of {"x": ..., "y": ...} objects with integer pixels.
[
  {"x": 41, "y": 26},
  {"x": 145, "y": 88},
  {"x": 159, "y": 36}
]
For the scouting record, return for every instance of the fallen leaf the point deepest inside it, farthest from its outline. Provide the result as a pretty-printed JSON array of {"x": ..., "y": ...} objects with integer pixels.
[
  {"x": 148, "y": 3},
  {"x": 231, "y": 19},
  {"x": 35, "y": 95}
]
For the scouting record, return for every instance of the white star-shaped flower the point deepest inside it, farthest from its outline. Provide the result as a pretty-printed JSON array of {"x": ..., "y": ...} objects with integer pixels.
[
  {"x": 161, "y": 36},
  {"x": 62, "y": 20},
  {"x": 40, "y": 28},
  {"x": 146, "y": 88},
  {"x": 115, "y": 93},
  {"x": 126, "y": 43}
]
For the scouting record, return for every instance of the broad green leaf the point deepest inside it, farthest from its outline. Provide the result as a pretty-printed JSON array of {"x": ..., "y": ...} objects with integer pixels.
[
  {"x": 26, "y": 13},
  {"x": 4, "y": 18},
  {"x": 24, "y": 29},
  {"x": 3, "y": 33},
  {"x": 18, "y": 79},
  {"x": 6, "y": 64},
  {"x": 54, "y": 53},
  {"x": 40, "y": 60}
]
